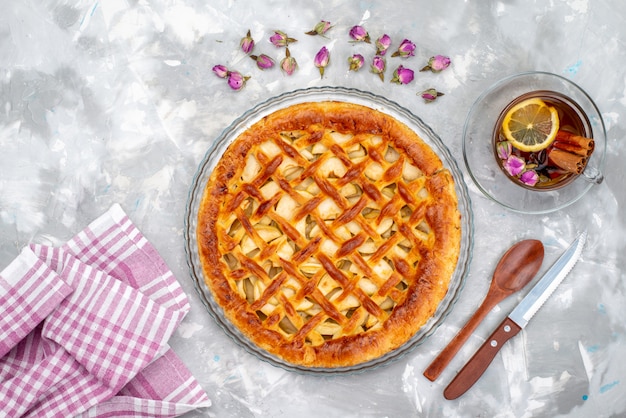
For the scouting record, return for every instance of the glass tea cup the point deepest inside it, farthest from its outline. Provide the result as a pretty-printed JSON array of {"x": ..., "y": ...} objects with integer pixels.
[{"x": 482, "y": 134}]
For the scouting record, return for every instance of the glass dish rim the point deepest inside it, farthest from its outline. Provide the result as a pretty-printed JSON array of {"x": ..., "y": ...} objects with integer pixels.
[
  {"x": 483, "y": 96},
  {"x": 325, "y": 93}
]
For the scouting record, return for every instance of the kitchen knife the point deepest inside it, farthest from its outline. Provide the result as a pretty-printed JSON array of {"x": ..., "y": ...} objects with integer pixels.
[{"x": 516, "y": 320}]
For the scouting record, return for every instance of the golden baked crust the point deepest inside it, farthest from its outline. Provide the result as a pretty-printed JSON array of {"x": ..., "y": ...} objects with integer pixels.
[{"x": 328, "y": 233}]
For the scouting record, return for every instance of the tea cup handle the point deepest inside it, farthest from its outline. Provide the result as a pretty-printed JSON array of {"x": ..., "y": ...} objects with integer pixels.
[{"x": 593, "y": 175}]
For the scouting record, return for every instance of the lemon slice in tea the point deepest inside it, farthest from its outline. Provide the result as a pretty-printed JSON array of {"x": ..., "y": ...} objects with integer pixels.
[{"x": 531, "y": 125}]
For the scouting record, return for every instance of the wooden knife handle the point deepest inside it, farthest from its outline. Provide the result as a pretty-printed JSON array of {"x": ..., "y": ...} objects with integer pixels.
[{"x": 477, "y": 365}]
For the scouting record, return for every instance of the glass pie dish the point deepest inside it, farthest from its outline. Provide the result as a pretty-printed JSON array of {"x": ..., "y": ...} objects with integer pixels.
[{"x": 339, "y": 94}]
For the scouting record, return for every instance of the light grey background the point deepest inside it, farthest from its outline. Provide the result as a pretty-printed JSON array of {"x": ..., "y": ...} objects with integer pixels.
[{"x": 115, "y": 101}]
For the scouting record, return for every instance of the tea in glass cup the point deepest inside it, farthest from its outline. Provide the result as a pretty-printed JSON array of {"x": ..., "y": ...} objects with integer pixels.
[{"x": 542, "y": 140}]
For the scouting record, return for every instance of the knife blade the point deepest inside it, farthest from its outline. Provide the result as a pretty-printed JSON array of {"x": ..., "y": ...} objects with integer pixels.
[{"x": 516, "y": 320}]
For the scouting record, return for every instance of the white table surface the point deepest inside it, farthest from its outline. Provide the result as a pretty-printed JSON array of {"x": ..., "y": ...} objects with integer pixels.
[{"x": 115, "y": 102}]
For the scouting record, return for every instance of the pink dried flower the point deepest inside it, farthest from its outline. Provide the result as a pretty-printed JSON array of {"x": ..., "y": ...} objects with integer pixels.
[
  {"x": 382, "y": 44},
  {"x": 221, "y": 71},
  {"x": 236, "y": 81},
  {"x": 378, "y": 67},
  {"x": 514, "y": 165},
  {"x": 504, "y": 149},
  {"x": 529, "y": 177},
  {"x": 405, "y": 50},
  {"x": 402, "y": 75},
  {"x": 247, "y": 43},
  {"x": 437, "y": 63},
  {"x": 322, "y": 58},
  {"x": 280, "y": 39},
  {"x": 263, "y": 61},
  {"x": 288, "y": 64},
  {"x": 430, "y": 95},
  {"x": 356, "y": 62},
  {"x": 320, "y": 29},
  {"x": 359, "y": 34}
]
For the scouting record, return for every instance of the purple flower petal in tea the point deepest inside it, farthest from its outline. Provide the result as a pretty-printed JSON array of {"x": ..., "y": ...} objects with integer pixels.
[
  {"x": 529, "y": 177},
  {"x": 402, "y": 75},
  {"x": 356, "y": 62},
  {"x": 504, "y": 149},
  {"x": 382, "y": 44},
  {"x": 322, "y": 58},
  {"x": 514, "y": 165}
]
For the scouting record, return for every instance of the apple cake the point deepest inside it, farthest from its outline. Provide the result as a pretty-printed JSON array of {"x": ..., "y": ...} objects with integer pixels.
[{"x": 328, "y": 233}]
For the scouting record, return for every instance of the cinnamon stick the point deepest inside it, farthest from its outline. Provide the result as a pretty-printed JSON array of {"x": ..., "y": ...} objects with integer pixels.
[
  {"x": 568, "y": 161},
  {"x": 574, "y": 143}
]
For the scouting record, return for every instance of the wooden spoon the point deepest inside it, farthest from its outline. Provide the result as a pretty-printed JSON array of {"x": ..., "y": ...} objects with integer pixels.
[{"x": 515, "y": 269}]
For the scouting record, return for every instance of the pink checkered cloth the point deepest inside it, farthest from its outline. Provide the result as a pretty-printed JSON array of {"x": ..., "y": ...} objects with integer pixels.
[{"x": 84, "y": 329}]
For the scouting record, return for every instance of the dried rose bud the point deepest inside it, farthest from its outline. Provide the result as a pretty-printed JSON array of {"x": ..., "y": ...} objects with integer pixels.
[
  {"x": 430, "y": 95},
  {"x": 247, "y": 43},
  {"x": 378, "y": 67},
  {"x": 529, "y": 177},
  {"x": 322, "y": 58},
  {"x": 437, "y": 63},
  {"x": 236, "y": 81},
  {"x": 504, "y": 149},
  {"x": 514, "y": 165},
  {"x": 406, "y": 49},
  {"x": 221, "y": 71},
  {"x": 382, "y": 44},
  {"x": 280, "y": 38},
  {"x": 320, "y": 29},
  {"x": 288, "y": 64},
  {"x": 356, "y": 62},
  {"x": 263, "y": 61},
  {"x": 402, "y": 75},
  {"x": 359, "y": 34}
]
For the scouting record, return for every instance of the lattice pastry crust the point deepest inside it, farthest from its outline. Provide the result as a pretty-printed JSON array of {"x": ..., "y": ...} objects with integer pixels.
[{"x": 328, "y": 233}]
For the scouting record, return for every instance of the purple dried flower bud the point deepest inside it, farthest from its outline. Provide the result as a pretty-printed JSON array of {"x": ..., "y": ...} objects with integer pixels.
[
  {"x": 322, "y": 58},
  {"x": 247, "y": 43},
  {"x": 359, "y": 34},
  {"x": 236, "y": 81},
  {"x": 263, "y": 61},
  {"x": 280, "y": 38},
  {"x": 504, "y": 149},
  {"x": 402, "y": 75},
  {"x": 288, "y": 64},
  {"x": 405, "y": 50},
  {"x": 378, "y": 67},
  {"x": 320, "y": 29},
  {"x": 382, "y": 44},
  {"x": 430, "y": 95},
  {"x": 356, "y": 62},
  {"x": 437, "y": 63},
  {"x": 221, "y": 71},
  {"x": 529, "y": 177},
  {"x": 514, "y": 165}
]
